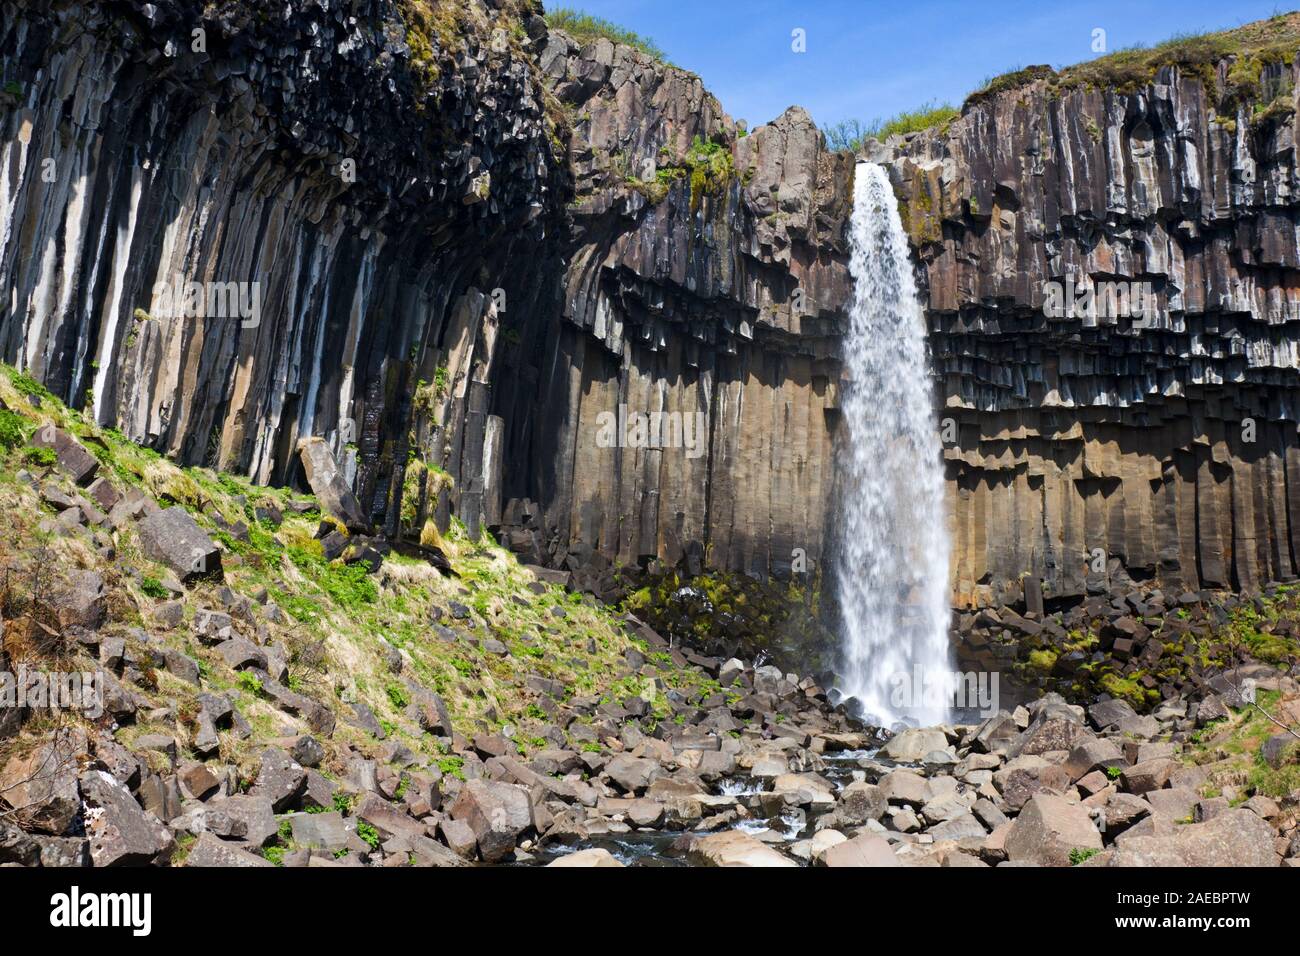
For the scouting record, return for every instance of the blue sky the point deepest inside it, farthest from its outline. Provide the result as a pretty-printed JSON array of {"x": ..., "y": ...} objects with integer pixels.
[{"x": 873, "y": 58}]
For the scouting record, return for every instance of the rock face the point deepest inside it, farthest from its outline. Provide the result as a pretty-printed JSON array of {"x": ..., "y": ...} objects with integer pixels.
[
  {"x": 412, "y": 305},
  {"x": 1090, "y": 448},
  {"x": 342, "y": 199},
  {"x": 705, "y": 281},
  {"x": 553, "y": 289}
]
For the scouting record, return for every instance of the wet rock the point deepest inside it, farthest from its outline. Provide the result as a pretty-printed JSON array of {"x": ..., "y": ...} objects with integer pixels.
[
  {"x": 913, "y": 744},
  {"x": 868, "y": 849},
  {"x": 734, "y": 848},
  {"x": 593, "y": 857}
]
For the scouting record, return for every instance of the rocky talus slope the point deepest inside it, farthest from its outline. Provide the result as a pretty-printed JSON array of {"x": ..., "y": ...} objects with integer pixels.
[{"x": 275, "y": 694}]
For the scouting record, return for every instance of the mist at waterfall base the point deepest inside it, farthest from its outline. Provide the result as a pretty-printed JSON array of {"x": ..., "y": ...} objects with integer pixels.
[{"x": 893, "y": 560}]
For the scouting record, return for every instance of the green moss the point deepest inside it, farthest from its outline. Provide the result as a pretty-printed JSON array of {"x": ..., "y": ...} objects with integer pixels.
[
  {"x": 1129, "y": 689},
  {"x": 708, "y": 167}
]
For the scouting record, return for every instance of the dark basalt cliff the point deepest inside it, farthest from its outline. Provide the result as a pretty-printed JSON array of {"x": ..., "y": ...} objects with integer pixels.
[
  {"x": 539, "y": 232},
  {"x": 299, "y": 148},
  {"x": 705, "y": 271},
  {"x": 1091, "y": 450}
]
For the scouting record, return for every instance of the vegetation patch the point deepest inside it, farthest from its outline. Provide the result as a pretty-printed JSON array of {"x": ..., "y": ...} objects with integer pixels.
[
  {"x": 1251, "y": 50},
  {"x": 584, "y": 28},
  {"x": 850, "y": 135}
]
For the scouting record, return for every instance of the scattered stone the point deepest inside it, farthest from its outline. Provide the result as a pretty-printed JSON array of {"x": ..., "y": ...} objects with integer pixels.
[
  {"x": 71, "y": 455},
  {"x": 41, "y": 786},
  {"x": 1235, "y": 838},
  {"x": 121, "y": 833},
  {"x": 279, "y": 779},
  {"x": 868, "y": 849},
  {"x": 208, "y": 850},
  {"x": 497, "y": 813}
]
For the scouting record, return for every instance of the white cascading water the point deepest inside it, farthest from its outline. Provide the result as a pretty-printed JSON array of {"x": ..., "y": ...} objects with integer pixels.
[{"x": 893, "y": 574}]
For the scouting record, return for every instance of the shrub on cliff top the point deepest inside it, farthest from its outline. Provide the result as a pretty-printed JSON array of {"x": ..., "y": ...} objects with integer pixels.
[
  {"x": 851, "y": 134},
  {"x": 1272, "y": 41},
  {"x": 584, "y": 27}
]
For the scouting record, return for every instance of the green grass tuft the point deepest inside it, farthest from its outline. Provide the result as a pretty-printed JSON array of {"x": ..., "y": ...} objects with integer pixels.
[
  {"x": 852, "y": 134},
  {"x": 584, "y": 27}
]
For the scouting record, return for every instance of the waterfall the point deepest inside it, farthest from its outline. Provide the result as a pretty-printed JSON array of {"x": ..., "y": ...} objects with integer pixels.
[{"x": 893, "y": 573}]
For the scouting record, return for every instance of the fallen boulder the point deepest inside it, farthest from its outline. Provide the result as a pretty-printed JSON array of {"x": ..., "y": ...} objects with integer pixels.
[
  {"x": 1048, "y": 829},
  {"x": 336, "y": 497},
  {"x": 173, "y": 538}
]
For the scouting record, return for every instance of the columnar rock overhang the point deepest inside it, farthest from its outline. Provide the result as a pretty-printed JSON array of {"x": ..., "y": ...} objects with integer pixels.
[
  {"x": 470, "y": 257},
  {"x": 1085, "y": 451}
]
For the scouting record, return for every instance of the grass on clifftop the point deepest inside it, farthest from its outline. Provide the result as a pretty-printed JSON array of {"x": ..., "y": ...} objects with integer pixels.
[
  {"x": 1274, "y": 40},
  {"x": 584, "y": 27},
  {"x": 851, "y": 134}
]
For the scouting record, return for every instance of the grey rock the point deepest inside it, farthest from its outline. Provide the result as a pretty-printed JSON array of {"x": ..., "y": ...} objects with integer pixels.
[{"x": 171, "y": 537}]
